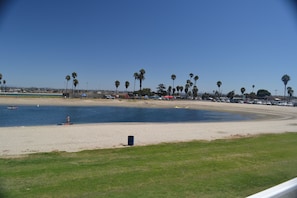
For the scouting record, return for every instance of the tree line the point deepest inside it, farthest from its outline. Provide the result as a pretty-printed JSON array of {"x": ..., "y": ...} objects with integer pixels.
[{"x": 191, "y": 89}]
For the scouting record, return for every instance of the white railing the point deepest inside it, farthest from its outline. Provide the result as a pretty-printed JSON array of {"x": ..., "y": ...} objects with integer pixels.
[{"x": 287, "y": 189}]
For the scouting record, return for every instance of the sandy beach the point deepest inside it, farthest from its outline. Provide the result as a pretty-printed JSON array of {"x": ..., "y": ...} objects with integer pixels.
[{"x": 15, "y": 141}]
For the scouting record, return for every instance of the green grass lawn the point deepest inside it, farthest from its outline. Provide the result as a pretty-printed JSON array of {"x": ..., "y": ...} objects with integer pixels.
[{"x": 221, "y": 168}]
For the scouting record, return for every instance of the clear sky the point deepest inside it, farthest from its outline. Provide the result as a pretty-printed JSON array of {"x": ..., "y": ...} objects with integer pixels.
[{"x": 240, "y": 43}]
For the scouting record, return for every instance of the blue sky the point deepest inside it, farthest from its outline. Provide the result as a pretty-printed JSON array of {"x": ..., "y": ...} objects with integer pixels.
[{"x": 240, "y": 43}]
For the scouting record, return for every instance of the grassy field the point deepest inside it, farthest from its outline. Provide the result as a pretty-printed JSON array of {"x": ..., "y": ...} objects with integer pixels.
[{"x": 222, "y": 168}]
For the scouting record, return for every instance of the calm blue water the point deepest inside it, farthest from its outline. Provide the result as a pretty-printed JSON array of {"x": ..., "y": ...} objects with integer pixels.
[{"x": 53, "y": 115}]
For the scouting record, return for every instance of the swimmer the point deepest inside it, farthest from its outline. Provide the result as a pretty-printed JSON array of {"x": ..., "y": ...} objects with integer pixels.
[{"x": 68, "y": 120}]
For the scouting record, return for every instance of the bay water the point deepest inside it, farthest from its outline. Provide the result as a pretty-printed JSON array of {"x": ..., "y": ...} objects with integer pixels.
[{"x": 53, "y": 115}]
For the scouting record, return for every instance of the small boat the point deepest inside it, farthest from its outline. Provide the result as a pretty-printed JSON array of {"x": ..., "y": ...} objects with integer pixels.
[{"x": 12, "y": 107}]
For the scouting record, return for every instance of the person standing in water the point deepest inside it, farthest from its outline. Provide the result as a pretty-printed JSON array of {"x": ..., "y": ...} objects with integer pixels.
[{"x": 68, "y": 120}]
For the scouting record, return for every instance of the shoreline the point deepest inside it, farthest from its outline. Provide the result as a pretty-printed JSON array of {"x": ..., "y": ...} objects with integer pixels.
[
  {"x": 200, "y": 105},
  {"x": 15, "y": 141}
]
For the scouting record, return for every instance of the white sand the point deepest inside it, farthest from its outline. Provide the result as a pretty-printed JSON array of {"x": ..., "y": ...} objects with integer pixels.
[{"x": 72, "y": 138}]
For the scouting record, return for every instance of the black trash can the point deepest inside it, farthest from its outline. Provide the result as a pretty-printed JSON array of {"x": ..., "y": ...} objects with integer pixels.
[{"x": 130, "y": 140}]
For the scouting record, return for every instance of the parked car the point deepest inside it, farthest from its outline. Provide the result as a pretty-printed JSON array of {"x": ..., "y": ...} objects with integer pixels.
[{"x": 108, "y": 97}]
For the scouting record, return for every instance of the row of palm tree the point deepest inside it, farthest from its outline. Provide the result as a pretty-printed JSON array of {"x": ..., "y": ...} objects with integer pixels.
[
  {"x": 2, "y": 82},
  {"x": 117, "y": 84},
  {"x": 75, "y": 82},
  {"x": 188, "y": 87}
]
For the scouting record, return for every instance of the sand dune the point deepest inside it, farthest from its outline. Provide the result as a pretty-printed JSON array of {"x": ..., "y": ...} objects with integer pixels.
[{"x": 72, "y": 138}]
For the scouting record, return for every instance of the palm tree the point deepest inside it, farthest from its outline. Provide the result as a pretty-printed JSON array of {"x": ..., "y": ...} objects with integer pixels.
[
  {"x": 169, "y": 90},
  {"x": 253, "y": 88},
  {"x": 67, "y": 80},
  {"x": 285, "y": 79},
  {"x": 195, "y": 79},
  {"x": 135, "y": 75},
  {"x": 219, "y": 83},
  {"x": 191, "y": 75},
  {"x": 191, "y": 84},
  {"x": 242, "y": 91},
  {"x": 117, "y": 84},
  {"x": 74, "y": 75},
  {"x": 75, "y": 83},
  {"x": 181, "y": 88},
  {"x": 187, "y": 88},
  {"x": 173, "y": 91},
  {"x": 290, "y": 91},
  {"x": 141, "y": 77},
  {"x": 127, "y": 83},
  {"x": 173, "y": 77},
  {"x": 177, "y": 89},
  {"x": 190, "y": 81},
  {"x": 195, "y": 91}
]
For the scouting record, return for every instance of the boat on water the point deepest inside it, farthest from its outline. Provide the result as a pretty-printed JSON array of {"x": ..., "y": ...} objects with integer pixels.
[{"x": 12, "y": 107}]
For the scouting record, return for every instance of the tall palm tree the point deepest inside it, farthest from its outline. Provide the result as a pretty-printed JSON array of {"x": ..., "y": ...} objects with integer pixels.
[
  {"x": 140, "y": 77},
  {"x": 67, "y": 80},
  {"x": 127, "y": 83},
  {"x": 253, "y": 88},
  {"x": 191, "y": 76},
  {"x": 135, "y": 75},
  {"x": 219, "y": 83},
  {"x": 173, "y": 77},
  {"x": 74, "y": 75},
  {"x": 195, "y": 79},
  {"x": 75, "y": 83},
  {"x": 117, "y": 84},
  {"x": 285, "y": 79},
  {"x": 242, "y": 91}
]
